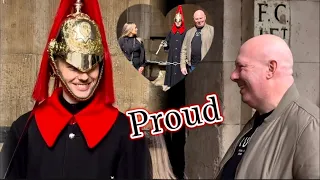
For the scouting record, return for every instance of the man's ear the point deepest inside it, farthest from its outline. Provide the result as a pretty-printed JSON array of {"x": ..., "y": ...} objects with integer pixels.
[{"x": 272, "y": 67}]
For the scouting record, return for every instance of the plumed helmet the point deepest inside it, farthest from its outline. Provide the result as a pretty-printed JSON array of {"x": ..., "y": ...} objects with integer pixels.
[
  {"x": 79, "y": 39},
  {"x": 79, "y": 42},
  {"x": 178, "y": 17}
]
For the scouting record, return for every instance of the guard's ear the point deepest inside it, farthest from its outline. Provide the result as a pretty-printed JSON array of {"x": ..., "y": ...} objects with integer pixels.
[{"x": 272, "y": 67}]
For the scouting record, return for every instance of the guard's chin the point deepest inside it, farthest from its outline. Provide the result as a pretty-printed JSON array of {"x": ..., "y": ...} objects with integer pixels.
[{"x": 81, "y": 92}]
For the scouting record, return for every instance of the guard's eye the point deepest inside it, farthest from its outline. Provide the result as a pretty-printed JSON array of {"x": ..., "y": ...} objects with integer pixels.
[{"x": 72, "y": 68}]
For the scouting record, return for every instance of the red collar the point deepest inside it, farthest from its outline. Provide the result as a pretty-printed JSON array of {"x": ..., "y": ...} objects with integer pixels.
[
  {"x": 95, "y": 120},
  {"x": 175, "y": 29}
]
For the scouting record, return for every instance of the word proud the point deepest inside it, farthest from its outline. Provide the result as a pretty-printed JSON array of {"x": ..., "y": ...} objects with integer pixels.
[{"x": 173, "y": 120}]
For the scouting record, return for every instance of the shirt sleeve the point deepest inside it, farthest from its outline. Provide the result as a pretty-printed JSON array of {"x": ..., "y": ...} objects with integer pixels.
[
  {"x": 123, "y": 49},
  {"x": 142, "y": 55},
  {"x": 168, "y": 42},
  {"x": 306, "y": 159},
  {"x": 183, "y": 54},
  {"x": 120, "y": 41},
  {"x": 18, "y": 165}
]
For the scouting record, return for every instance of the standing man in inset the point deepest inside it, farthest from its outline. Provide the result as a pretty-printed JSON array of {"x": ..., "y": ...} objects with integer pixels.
[
  {"x": 196, "y": 43},
  {"x": 281, "y": 141}
]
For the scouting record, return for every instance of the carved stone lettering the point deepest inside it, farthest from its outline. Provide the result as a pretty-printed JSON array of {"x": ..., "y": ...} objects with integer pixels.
[{"x": 272, "y": 17}]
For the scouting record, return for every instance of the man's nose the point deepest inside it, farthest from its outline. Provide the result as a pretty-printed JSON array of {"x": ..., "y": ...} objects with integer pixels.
[{"x": 234, "y": 75}]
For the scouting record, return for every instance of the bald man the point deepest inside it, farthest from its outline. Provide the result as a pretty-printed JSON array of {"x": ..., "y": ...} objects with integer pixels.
[
  {"x": 281, "y": 140},
  {"x": 196, "y": 43}
]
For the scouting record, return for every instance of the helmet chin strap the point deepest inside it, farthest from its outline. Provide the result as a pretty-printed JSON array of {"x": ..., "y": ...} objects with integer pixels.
[{"x": 58, "y": 78}]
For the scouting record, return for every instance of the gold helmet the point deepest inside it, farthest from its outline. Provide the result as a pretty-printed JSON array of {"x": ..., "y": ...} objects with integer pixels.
[
  {"x": 178, "y": 17},
  {"x": 79, "y": 42}
]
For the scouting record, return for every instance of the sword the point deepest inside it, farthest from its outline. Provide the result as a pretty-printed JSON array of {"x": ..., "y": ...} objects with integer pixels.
[{"x": 162, "y": 44}]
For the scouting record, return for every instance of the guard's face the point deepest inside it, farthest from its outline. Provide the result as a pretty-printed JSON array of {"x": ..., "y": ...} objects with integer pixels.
[
  {"x": 178, "y": 23},
  {"x": 250, "y": 75},
  {"x": 80, "y": 83}
]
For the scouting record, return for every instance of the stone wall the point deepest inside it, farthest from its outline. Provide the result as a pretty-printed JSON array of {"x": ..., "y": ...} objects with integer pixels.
[{"x": 304, "y": 42}]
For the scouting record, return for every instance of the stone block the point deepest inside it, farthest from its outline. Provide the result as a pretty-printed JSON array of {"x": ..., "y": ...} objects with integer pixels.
[
  {"x": 131, "y": 88},
  {"x": 160, "y": 4},
  {"x": 19, "y": 34},
  {"x": 305, "y": 30},
  {"x": 231, "y": 30},
  {"x": 134, "y": 2},
  {"x": 18, "y": 74},
  {"x": 228, "y": 134},
  {"x": 112, "y": 12},
  {"x": 306, "y": 77},
  {"x": 232, "y": 97},
  {"x": 202, "y": 152},
  {"x": 272, "y": 17},
  {"x": 247, "y": 20},
  {"x": 157, "y": 23},
  {"x": 205, "y": 79},
  {"x": 156, "y": 95}
]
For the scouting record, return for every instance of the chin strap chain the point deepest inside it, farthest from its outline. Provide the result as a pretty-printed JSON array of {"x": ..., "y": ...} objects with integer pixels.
[{"x": 161, "y": 63}]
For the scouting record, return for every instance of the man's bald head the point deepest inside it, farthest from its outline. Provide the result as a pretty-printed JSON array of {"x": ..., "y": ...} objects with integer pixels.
[
  {"x": 199, "y": 18},
  {"x": 265, "y": 48},
  {"x": 263, "y": 71},
  {"x": 199, "y": 13}
]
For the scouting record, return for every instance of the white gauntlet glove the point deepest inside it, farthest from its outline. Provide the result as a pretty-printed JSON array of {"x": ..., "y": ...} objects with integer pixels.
[{"x": 164, "y": 43}]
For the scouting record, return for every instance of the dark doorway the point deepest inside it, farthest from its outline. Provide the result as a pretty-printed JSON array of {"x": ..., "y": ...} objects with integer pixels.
[
  {"x": 172, "y": 4},
  {"x": 175, "y": 141}
]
